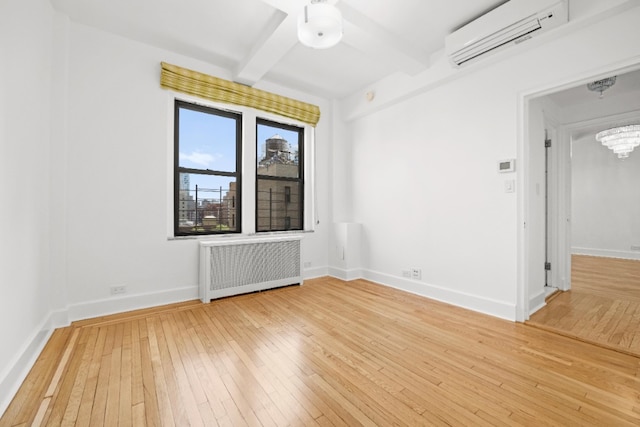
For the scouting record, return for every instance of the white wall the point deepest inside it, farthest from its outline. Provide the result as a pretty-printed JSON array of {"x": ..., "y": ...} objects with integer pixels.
[
  {"x": 427, "y": 191},
  {"x": 605, "y": 200},
  {"x": 25, "y": 121},
  {"x": 118, "y": 165},
  {"x": 425, "y": 184}
]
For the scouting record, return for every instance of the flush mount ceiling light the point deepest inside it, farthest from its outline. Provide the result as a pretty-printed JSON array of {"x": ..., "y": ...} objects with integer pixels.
[
  {"x": 320, "y": 25},
  {"x": 601, "y": 85},
  {"x": 622, "y": 140}
]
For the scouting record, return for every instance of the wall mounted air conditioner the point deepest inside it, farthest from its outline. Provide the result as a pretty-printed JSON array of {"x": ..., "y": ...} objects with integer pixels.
[{"x": 506, "y": 25}]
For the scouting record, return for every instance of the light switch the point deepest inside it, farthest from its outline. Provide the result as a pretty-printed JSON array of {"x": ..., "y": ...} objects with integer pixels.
[{"x": 510, "y": 186}]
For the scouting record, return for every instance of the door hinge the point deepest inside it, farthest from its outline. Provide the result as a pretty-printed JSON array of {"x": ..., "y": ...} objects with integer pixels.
[
  {"x": 547, "y": 266},
  {"x": 547, "y": 143}
]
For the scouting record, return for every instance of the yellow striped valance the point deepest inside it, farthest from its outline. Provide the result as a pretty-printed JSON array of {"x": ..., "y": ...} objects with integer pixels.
[{"x": 220, "y": 90}]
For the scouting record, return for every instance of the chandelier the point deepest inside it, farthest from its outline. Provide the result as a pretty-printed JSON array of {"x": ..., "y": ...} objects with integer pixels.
[
  {"x": 320, "y": 25},
  {"x": 622, "y": 140},
  {"x": 601, "y": 85}
]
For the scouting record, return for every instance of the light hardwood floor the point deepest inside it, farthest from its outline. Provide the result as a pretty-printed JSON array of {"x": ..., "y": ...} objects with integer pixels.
[
  {"x": 325, "y": 353},
  {"x": 603, "y": 305}
]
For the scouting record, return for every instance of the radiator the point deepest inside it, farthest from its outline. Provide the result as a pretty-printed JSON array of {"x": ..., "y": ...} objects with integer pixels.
[{"x": 236, "y": 266}]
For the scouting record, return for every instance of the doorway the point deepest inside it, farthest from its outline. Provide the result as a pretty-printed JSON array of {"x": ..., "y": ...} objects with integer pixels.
[
  {"x": 565, "y": 116},
  {"x": 592, "y": 215}
]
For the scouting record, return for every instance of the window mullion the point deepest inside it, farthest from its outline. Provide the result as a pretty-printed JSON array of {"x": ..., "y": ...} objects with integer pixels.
[{"x": 249, "y": 172}]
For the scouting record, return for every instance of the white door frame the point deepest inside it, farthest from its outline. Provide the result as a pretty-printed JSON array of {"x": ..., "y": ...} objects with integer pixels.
[{"x": 562, "y": 185}]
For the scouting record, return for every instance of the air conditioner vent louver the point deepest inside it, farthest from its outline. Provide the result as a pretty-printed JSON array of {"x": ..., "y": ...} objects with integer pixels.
[
  {"x": 496, "y": 40},
  {"x": 511, "y": 23}
]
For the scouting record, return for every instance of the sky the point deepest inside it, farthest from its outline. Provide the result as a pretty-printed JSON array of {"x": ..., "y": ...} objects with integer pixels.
[{"x": 207, "y": 141}]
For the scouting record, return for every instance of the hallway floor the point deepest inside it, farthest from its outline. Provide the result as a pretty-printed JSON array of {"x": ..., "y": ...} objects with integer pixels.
[{"x": 602, "y": 307}]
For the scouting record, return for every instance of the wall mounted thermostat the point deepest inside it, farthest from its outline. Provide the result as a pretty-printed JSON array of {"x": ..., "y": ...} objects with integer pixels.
[{"x": 508, "y": 165}]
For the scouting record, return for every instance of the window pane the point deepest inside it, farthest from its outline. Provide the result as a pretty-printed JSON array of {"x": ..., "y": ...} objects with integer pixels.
[
  {"x": 278, "y": 153},
  {"x": 207, "y": 141},
  {"x": 207, "y": 203},
  {"x": 279, "y": 205}
]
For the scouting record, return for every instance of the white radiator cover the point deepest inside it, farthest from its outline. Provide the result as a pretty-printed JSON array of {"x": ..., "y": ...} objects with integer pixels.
[{"x": 241, "y": 265}]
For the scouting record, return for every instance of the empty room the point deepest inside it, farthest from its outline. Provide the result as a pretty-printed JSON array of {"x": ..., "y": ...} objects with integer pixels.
[{"x": 320, "y": 212}]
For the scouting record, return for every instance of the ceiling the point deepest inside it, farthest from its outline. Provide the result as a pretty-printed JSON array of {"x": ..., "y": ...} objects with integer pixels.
[
  {"x": 256, "y": 39},
  {"x": 626, "y": 84},
  {"x": 589, "y": 113}
]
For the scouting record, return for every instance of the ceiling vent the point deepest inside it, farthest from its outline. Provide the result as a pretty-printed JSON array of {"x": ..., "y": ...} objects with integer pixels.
[{"x": 506, "y": 25}]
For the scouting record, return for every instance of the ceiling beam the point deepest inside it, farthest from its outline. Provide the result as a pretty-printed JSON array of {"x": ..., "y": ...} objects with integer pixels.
[
  {"x": 371, "y": 38},
  {"x": 277, "y": 39}
]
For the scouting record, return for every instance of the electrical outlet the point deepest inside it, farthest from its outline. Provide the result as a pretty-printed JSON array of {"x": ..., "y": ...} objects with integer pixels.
[
  {"x": 118, "y": 289},
  {"x": 416, "y": 273},
  {"x": 406, "y": 273},
  {"x": 307, "y": 264},
  {"x": 635, "y": 247}
]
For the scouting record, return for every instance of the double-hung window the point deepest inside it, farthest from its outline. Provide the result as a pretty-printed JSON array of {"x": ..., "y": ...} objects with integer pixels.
[
  {"x": 214, "y": 150},
  {"x": 239, "y": 157},
  {"x": 207, "y": 165},
  {"x": 279, "y": 176}
]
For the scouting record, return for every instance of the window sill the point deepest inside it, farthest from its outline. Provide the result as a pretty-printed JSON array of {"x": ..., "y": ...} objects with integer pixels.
[{"x": 238, "y": 235}]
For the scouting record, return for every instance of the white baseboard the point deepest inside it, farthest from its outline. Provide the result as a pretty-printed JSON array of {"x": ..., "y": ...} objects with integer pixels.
[
  {"x": 16, "y": 371},
  {"x": 104, "y": 307},
  {"x": 491, "y": 307},
  {"x": 501, "y": 309},
  {"x": 537, "y": 302},
  {"x": 312, "y": 273},
  {"x": 607, "y": 253},
  {"x": 342, "y": 274},
  {"x": 59, "y": 319}
]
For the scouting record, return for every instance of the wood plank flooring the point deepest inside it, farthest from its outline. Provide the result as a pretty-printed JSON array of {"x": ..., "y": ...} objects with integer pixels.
[
  {"x": 603, "y": 305},
  {"x": 325, "y": 353}
]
